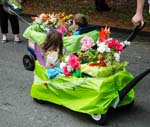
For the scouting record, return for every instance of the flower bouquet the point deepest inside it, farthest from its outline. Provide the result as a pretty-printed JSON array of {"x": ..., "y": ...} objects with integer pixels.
[
  {"x": 107, "y": 51},
  {"x": 102, "y": 59},
  {"x": 44, "y": 22}
]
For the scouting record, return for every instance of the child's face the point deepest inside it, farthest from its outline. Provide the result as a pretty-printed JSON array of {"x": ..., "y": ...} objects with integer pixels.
[
  {"x": 74, "y": 23},
  {"x": 76, "y": 27}
]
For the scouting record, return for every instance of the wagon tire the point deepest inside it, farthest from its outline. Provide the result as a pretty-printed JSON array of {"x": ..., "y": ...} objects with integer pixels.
[
  {"x": 29, "y": 62},
  {"x": 39, "y": 101},
  {"x": 99, "y": 119},
  {"x": 128, "y": 106}
]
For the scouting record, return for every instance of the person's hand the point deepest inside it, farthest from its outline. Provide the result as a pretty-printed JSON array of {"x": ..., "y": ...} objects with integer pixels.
[{"x": 137, "y": 19}]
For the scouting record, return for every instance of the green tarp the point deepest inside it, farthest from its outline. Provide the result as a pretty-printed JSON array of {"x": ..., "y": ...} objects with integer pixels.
[
  {"x": 35, "y": 36},
  {"x": 90, "y": 95}
]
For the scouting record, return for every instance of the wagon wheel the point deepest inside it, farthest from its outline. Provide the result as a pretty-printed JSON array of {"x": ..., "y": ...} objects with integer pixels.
[
  {"x": 99, "y": 119},
  {"x": 28, "y": 62},
  {"x": 39, "y": 101},
  {"x": 126, "y": 107}
]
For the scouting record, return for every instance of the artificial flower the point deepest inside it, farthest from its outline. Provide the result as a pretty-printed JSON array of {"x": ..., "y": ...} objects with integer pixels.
[
  {"x": 104, "y": 34},
  {"x": 103, "y": 47},
  {"x": 66, "y": 72},
  {"x": 72, "y": 64},
  {"x": 73, "y": 61},
  {"x": 117, "y": 56},
  {"x": 43, "y": 22},
  {"x": 108, "y": 50},
  {"x": 115, "y": 44},
  {"x": 87, "y": 42}
]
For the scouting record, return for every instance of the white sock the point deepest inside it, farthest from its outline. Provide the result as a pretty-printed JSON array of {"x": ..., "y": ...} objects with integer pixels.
[
  {"x": 16, "y": 36},
  {"x": 4, "y": 36}
]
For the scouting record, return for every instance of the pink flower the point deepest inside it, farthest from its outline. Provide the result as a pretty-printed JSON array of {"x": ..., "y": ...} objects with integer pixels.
[
  {"x": 66, "y": 73},
  {"x": 115, "y": 44},
  {"x": 72, "y": 64},
  {"x": 119, "y": 47},
  {"x": 61, "y": 29},
  {"x": 87, "y": 42},
  {"x": 73, "y": 61},
  {"x": 111, "y": 43}
]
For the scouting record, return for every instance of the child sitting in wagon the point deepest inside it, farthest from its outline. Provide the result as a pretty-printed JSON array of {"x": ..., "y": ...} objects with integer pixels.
[
  {"x": 53, "y": 52},
  {"x": 81, "y": 25}
]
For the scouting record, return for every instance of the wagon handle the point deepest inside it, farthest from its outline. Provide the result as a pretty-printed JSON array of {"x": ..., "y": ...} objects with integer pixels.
[
  {"x": 135, "y": 31},
  {"x": 132, "y": 83},
  {"x": 21, "y": 18}
]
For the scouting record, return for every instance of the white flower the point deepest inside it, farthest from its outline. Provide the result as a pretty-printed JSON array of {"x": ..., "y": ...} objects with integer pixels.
[
  {"x": 69, "y": 68},
  {"x": 54, "y": 20},
  {"x": 62, "y": 65},
  {"x": 102, "y": 47},
  {"x": 124, "y": 43},
  {"x": 38, "y": 20},
  {"x": 107, "y": 49},
  {"x": 117, "y": 56}
]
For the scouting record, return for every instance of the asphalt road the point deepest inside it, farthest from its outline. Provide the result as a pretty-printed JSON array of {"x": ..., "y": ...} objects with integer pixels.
[{"x": 17, "y": 108}]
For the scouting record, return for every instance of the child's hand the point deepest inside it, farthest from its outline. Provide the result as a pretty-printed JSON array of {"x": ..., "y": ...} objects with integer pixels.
[{"x": 49, "y": 65}]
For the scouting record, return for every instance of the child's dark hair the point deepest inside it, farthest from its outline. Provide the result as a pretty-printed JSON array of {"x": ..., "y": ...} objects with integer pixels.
[
  {"x": 53, "y": 42},
  {"x": 80, "y": 20}
]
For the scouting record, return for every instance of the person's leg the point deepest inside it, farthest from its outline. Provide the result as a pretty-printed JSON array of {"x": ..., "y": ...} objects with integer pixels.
[
  {"x": 101, "y": 5},
  {"x": 15, "y": 27},
  {"x": 3, "y": 23}
]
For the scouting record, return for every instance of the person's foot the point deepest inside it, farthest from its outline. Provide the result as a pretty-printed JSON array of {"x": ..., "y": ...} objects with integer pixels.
[
  {"x": 4, "y": 41},
  {"x": 4, "y": 38},
  {"x": 17, "y": 40}
]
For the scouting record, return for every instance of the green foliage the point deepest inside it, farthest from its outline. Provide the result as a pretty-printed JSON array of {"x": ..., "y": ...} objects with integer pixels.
[{"x": 91, "y": 55}]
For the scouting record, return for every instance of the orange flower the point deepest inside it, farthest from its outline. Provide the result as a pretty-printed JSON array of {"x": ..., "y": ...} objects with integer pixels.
[
  {"x": 104, "y": 34},
  {"x": 33, "y": 18},
  {"x": 45, "y": 17}
]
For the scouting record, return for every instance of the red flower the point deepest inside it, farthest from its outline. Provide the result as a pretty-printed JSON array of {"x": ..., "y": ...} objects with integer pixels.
[
  {"x": 73, "y": 61},
  {"x": 66, "y": 73},
  {"x": 102, "y": 62},
  {"x": 94, "y": 64},
  {"x": 115, "y": 44},
  {"x": 103, "y": 34}
]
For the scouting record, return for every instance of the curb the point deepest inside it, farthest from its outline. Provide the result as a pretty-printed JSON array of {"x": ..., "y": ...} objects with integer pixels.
[{"x": 115, "y": 29}]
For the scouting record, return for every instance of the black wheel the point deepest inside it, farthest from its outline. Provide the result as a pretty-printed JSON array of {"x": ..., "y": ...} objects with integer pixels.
[
  {"x": 126, "y": 107},
  {"x": 29, "y": 62},
  {"x": 39, "y": 101},
  {"x": 99, "y": 119}
]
